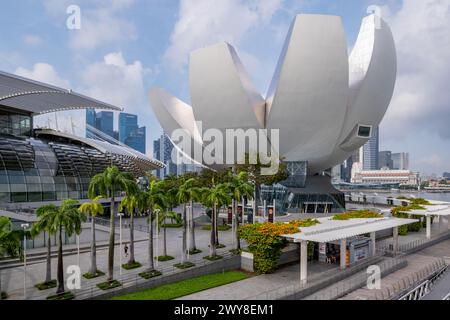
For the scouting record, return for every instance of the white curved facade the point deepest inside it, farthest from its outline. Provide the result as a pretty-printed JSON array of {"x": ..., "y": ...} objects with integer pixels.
[{"x": 323, "y": 102}]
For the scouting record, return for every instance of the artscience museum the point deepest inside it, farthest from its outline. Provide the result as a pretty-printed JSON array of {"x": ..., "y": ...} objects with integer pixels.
[{"x": 323, "y": 102}]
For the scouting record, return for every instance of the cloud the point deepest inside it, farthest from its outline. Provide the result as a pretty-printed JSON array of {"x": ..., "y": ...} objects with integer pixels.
[
  {"x": 32, "y": 40},
  {"x": 103, "y": 26},
  {"x": 45, "y": 73},
  {"x": 116, "y": 81},
  {"x": 421, "y": 99},
  {"x": 206, "y": 22}
]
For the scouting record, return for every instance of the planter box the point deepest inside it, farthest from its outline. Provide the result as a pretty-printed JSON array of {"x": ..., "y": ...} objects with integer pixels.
[{"x": 289, "y": 255}]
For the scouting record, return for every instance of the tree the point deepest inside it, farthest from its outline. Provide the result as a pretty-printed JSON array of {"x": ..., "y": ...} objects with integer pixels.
[
  {"x": 109, "y": 183},
  {"x": 163, "y": 216},
  {"x": 44, "y": 224},
  {"x": 92, "y": 209},
  {"x": 189, "y": 192},
  {"x": 133, "y": 203},
  {"x": 155, "y": 200},
  {"x": 9, "y": 242},
  {"x": 240, "y": 188},
  {"x": 215, "y": 198},
  {"x": 69, "y": 219}
]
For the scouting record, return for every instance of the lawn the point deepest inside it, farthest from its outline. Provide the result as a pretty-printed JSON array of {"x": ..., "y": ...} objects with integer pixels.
[{"x": 185, "y": 287}]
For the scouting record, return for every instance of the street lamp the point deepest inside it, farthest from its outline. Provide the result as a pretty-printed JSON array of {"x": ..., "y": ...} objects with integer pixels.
[{"x": 25, "y": 226}]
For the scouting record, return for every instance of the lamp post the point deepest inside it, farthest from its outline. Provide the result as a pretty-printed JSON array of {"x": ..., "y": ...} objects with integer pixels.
[{"x": 25, "y": 226}]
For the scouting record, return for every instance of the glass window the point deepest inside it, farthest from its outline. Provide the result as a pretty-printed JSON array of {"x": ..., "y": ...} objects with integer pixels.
[{"x": 364, "y": 131}]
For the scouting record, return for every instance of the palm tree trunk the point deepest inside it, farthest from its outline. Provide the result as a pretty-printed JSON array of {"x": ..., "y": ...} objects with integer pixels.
[
  {"x": 183, "y": 255},
  {"x": 236, "y": 226},
  {"x": 112, "y": 234},
  {"x": 60, "y": 289},
  {"x": 216, "y": 230},
  {"x": 212, "y": 245},
  {"x": 131, "y": 260},
  {"x": 93, "y": 248},
  {"x": 151, "y": 264},
  {"x": 165, "y": 244},
  {"x": 192, "y": 245},
  {"x": 48, "y": 272}
]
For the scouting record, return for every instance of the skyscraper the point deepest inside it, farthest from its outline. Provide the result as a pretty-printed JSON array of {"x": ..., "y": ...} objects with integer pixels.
[
  {"x": 162, "y": 151},
  {"x": 400, "y": 161},
  {"x": 130, "y": 133},
  {"x": 102, "y": 121},
  {"x": 385, "y": 160},
  {"x": 370, "y": 152}
]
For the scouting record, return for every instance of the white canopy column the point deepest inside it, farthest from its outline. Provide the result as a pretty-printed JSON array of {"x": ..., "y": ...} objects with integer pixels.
[
  {"x": 303, "y": 261},
  {"x": 343, "y": 253},
  {"x": 428, "y": 227},
  {"x": 395, "y": 236}
]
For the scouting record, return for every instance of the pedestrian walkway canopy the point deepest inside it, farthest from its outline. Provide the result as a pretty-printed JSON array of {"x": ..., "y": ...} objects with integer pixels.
[
  {"x": 39, "y": 98},
  {"x": 330, "y": 230},
  {"x": 434, "y": 210}
]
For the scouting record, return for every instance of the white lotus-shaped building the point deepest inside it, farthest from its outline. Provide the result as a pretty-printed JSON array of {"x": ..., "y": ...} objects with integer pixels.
[{"x": 324, "y": 102}]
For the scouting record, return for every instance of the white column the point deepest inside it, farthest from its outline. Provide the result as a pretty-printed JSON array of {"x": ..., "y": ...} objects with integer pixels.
[
  {"x": 303, "y": 262},
  {"x": 265, "y": 209},
  {"x": 440, "y": 223},
  {"x": 274, "y": 211},
  {"x": 343, "y": 253},
  {"x": 428, "y": 227},
  {"x": 395, "y": 236},
  {"x": 373, "y": 238}
]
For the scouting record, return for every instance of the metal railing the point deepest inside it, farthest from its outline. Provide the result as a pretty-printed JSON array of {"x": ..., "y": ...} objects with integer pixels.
[
  {"x": 425, "y": 287},
  {"x": 334, "y": 277},
  {"x": 129, "y": 279}
]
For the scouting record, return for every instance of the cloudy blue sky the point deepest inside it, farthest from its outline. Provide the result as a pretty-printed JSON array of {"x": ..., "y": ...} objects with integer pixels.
[{"x": 126, "y": 46}]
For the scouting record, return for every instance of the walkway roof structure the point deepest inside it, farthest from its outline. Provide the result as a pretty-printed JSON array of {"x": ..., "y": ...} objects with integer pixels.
[
  {"x": 142, "y": 161},
  {"x": 332, "y": 230},
  {"x": 39, "y": 98},
  {"x": 434, "y": 210}
]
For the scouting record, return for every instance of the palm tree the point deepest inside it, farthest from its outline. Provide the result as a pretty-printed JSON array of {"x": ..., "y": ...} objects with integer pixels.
[
  {"x": 109, "y": 183},
  {"x": 214, "y": 198},
  {"x": 155, "y": 200},
  {"x": 163, "y": 216},
  {"x": 44, "y": 223},
  {"x": 66, "y": 217},
  {"x": 9, "y": 243},
  {"x": 92, "y": 209},
  {"x": 184, "y": 196},
  {"x": 239, "y": 187},
  {"x": 133, "y": 203}
]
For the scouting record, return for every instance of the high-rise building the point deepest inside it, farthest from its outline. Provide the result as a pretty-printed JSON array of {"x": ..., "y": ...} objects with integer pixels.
[
  {"x": 370, "y": 152},
  {"x": 130, "y": 133},
  {"x": 446, "y": 175},
  {"x": 385, "y": 160},
  {"x": 102, "y": 121},
  {"x": 400, "y": 161}
]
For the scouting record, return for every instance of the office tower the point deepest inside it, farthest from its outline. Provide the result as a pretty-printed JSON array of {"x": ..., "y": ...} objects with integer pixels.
[
  {"x": 162, "y": 151},
  {"x": 102, "y": 121},
  {"x": 130, "y": 133},
  {"x": 400, "y": 161},
  {"x": 370, "y": 152},
  {"x": 385, "y": 160}
]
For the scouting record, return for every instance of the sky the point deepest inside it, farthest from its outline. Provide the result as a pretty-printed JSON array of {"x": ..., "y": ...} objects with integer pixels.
[{"x": 125, "y": 47}]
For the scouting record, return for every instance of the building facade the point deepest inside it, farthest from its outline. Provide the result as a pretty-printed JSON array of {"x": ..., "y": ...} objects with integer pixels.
[
  {"x": 130, "y": 133},
  {"x": 400, "y": 161},
  {"x": 401, "y": 177},
  {"x": 371, "y": 150},
  {"x": 385, "y": 160}
]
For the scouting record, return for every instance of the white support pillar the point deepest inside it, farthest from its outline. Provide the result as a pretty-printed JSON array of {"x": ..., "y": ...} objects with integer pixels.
[
  {"x": 373, "y": 238},
  {"x": 395, "y": 236},
  {"x": 303, "y": 262},
  {"x": 440, "y": 224},
  {"x": 428, "y": 227},
  {"x": 343, "y": 250}
]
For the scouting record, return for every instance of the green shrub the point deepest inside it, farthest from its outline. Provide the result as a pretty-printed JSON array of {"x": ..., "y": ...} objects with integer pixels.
[
  {"x": 164, "y": 258},
  {"x": 184, "y": 265},
  {"x": 220, "y": 246},
  {"x": 195, "y": 251},
  {"x": 172, "y": 225},
  {"x": 360, "y": 214},
  {"x": 134, "y": 265},
  {"x": 89, "y": 275},
  {"x": 219, "y": 227},
  {"x": 46, "y": 285},
  {"x": 109, "y": 285},
  {"x": 150, "y": 274},
  {"x": 214, "y": 258},
  {"x": 63, "y": 296},
  {"x": 3, "y": 295}
]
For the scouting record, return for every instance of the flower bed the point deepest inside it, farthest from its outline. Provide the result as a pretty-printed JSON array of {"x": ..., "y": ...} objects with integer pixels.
[
  {"x": 46, "y": 285},
  {"x": 109, "y": 285},
  {"x": 360, "y": 214},
  {"x": 184, "y": 265},
  {"x": 265, "y": 242},
  {"x": 150, "y": 274},
  {"x": 89, "y": 275}
]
